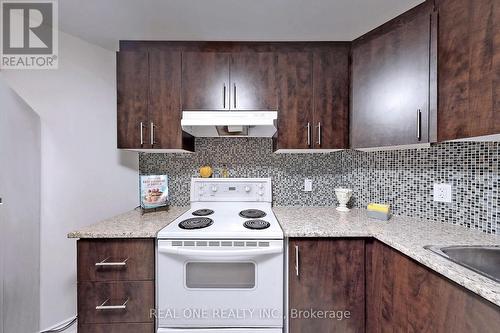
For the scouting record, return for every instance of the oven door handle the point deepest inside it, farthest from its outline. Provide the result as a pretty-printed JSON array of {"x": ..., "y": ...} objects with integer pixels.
[{"x": 217, "y": 253}]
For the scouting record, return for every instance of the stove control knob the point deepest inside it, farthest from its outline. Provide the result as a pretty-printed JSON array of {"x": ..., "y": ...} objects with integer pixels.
[
  {"x": 247, "y": 188},
  {"x": 214, "y": 188},
  {"x": 261, "y": 193},
  {"x": 261, "y": 186}
]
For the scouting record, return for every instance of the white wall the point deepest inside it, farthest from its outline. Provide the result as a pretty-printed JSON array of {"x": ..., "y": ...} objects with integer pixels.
[
  {"x": 84, "y": 177},
  {"x": 19, "y": 214}
]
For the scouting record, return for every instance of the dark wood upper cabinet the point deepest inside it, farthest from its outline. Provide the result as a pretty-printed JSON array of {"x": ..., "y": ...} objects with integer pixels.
[
  {"x": 469, "y": 68},
  {"x": 164, "y": 102},
  {"x": 327, "y": 275},
  {"x": 295, "y": 115},
  {"x": 229, "y": 81},
  {"x": 313, "y": 90},
  {"x": 331, "y": 98},
  {"x": 404, "y": 296},
  {"x": 205, "y": 81},
  {"x": 132, "y": 95},
  {"x": 253, "y": 81},
  {"x": 149, "y": 92},
  {"x": 391, "y": 82}
]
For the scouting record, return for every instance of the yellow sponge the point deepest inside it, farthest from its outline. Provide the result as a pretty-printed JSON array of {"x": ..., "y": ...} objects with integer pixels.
[{"x": 379, "y": 208}]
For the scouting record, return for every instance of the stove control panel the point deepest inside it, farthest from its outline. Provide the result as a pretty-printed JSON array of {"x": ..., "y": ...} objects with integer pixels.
[{"x": 231, "y": 189}]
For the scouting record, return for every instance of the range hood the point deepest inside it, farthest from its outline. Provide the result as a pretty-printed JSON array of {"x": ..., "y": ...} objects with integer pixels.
[{"x": 229, "y": 123}]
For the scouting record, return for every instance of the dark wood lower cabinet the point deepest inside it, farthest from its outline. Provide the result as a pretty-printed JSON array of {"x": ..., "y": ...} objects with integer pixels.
[
  {"x": 137, "y": 255},
  {"x": 113, "y": 273},
  {"x": 326, "y": 285},
  {"x": 137, "y": 297},
  {"x": 117, "y": 328},
  {"x": 404, "y": 296},
  {"x": 370, "y": 279}
]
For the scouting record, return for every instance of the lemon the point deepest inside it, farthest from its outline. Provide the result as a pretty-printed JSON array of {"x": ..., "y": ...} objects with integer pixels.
[{"x": 206, "y": 171}]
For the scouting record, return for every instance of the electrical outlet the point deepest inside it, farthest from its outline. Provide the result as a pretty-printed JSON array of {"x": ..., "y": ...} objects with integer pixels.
[
  {"x": 442, "y": 192},
  {"x": 308, "y": 185}
]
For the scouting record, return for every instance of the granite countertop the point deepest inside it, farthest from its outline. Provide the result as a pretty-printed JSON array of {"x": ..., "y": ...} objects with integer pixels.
[
  {"x": 407, "y": 235},
  {"x": 130, "y": 225}
]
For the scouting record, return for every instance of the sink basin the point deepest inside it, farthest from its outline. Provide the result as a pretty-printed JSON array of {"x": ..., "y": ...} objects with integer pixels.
[{"x": 484, "y": 260}]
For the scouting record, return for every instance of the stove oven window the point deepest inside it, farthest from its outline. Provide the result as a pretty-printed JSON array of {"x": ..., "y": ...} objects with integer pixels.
[{"x": 220, "y": 275}]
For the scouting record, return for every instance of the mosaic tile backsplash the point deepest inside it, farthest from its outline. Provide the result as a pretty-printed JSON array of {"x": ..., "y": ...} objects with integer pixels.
[{"x": 402, "y": 178}]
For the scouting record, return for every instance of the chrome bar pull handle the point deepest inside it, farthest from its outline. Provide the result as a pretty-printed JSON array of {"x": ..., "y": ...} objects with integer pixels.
[
  {"x": 419, "y": 124},
  {"x": 308, "y": 134},
  {"x": 106, "y": 263},
  {"x": 319, "y": 133},
  {"x": 224, "y": 96},
  {"x": 103, "y": 306},
  {"x": 234, "y": 97},
  {"x": 152, "y": 135},
  {"x": 141, "y": 131},
  {"x": 297, "y": 260}
]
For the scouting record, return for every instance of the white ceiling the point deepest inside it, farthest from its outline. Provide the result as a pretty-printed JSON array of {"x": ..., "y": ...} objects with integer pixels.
[{"x": 105, "y": 22}]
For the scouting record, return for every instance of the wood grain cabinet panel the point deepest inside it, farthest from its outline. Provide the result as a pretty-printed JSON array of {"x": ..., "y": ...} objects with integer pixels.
[
  {"x": 205, "y": 80},
  {"x": 149, "y": 95},
  {"x": 313, "y": 90},
  {"x": 132, "y": 98},
  {"x": 137, "y": 296},
  {"x": 295, "y": 82},
  {"x": 329, "y": 277},
  {"x": 331, "y": 98},
  {"x": 138, "y": 257},
  {"x": 469, "y": 68},
  {"x": 117, "y": 328},
  {"x": 128, "y": 280},
  {"x": 253, "y": 81},
  {"x": 404, "y": 296},
  {"x": 391, "y": 82},
  {"x": 165, "y": 112}
]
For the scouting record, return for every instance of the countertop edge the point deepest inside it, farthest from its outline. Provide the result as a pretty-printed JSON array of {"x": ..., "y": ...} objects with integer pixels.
[{"x": 131, "y": 224}]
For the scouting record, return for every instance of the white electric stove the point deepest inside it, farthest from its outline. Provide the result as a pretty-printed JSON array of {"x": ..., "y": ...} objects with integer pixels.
[{"x": 220, "y": 264}]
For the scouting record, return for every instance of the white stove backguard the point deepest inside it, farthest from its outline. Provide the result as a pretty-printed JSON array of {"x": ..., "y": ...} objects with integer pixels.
[{"x": 231, "y": 190}]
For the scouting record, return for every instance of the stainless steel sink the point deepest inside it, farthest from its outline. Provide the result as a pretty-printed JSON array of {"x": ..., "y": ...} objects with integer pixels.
[{"x": 484, "y": 260}]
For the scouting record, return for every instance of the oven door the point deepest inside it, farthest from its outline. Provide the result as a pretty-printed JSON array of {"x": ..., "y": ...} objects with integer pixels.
[
  {"x": 220, "y": 283},
  {"x": 219, "y": 330}
]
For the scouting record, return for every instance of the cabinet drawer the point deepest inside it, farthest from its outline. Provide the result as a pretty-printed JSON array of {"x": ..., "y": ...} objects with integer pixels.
[
  {"x": 116, "y": 328},
  {"x": 115, "y": 259},
  {"x": 136, "y": 299}
]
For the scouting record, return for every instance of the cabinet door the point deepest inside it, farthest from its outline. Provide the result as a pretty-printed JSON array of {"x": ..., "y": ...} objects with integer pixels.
[
  {"x": 331, "y": 98},
  {"x": 253, "y": 81},
  {"x": 165, "y": 100},
  {"x": 390, "y": 86},
  {"x": 469, "y": 68},
  {"x": 132, "y": 94},
  {"x": 295, "y": 84},
  {"x": 404, "y": 296},
  {"x": 326, "y": 275},
  {"x": 205, "y": 81}
]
